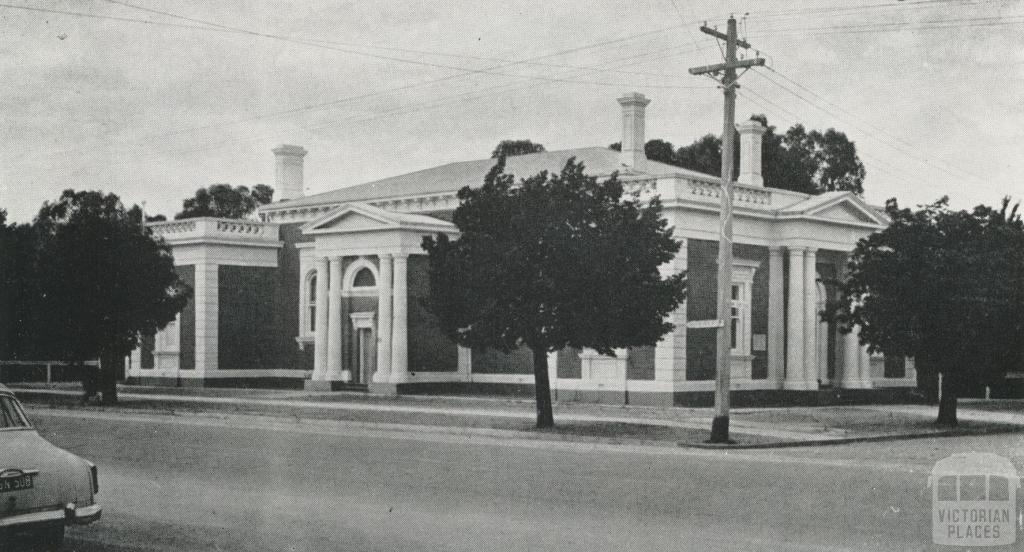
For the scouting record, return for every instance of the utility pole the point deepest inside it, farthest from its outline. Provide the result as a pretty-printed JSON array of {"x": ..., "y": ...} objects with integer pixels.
[{"x": 727, "y": 70}]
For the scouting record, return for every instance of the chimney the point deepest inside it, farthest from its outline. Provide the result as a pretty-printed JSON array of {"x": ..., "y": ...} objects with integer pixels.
[
  {"x": 633, "y": 156},
  {"x": 750, "y": 152},
  {"x": 288, "y": 172}
]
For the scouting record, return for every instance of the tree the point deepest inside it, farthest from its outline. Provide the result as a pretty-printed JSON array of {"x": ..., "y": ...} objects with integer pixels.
[
  {"x": 944, "y": 287},
  {"x": 808, "y": 162},
  {"x": 17, "y": 288},
  {"x": 553, "y": 261},
  {"x": 509, "y": 148},
  {"x": 221, "y": 200},
  {"x": 103, "y": 281}
]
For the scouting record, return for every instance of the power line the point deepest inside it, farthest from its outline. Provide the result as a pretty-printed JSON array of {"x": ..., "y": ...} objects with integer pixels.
[
  {"x": 504, "y": 61},
  {"x": 402, "y": 110},
  {"x": 910, "y": 152},
  {"x": 465, "y": 70},
  {"x": 903, "y": 175}
]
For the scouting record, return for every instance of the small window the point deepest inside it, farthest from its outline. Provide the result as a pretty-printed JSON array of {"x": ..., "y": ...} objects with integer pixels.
[
  {"x": 364, "y": 278},
  {"x": 309, "y": 305},
  {"x": 739, "y": 319}
]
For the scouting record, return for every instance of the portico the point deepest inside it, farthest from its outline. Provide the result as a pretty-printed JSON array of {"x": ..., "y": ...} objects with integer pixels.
[{"x": 363, "y": 252}]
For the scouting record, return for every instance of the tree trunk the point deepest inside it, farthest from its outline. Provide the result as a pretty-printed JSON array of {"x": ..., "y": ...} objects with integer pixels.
[
  {"x": 545, "y": 417},
  {"x": 947, "y": 402},
  {"x": 108, "y": 378}
]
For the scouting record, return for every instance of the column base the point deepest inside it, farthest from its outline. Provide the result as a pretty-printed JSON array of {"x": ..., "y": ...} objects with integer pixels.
[
  {"x": 857, "y": 384},
  {"x": 800, "y": 385}
]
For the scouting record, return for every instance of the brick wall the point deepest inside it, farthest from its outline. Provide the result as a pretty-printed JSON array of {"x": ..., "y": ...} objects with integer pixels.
[
  {"x": 187, "y": 324},
  {"x": 429, "y": 349}
]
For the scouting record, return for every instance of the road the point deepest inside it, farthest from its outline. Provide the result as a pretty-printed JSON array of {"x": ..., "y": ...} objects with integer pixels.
[{"x": 202, "y": 483}]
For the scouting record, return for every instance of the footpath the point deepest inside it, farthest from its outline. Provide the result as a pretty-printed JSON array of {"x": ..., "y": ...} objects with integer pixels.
[{"x": 515, "y": 417}]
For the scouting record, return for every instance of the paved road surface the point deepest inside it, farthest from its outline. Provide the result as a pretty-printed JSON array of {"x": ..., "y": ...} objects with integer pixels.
[{"x": 194, "y": 483}]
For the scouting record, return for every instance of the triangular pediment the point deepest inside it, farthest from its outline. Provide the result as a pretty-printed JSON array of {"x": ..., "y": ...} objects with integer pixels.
[
  {"x": 360, "y": 217},
  {"x": 844, "y": 212},
  {"x": 844, "y": 207},
  {"x": 352, "y": 217}
]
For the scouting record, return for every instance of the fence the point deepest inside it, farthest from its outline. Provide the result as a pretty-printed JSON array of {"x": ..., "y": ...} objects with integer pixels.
[{"x": 41, "y": 371}]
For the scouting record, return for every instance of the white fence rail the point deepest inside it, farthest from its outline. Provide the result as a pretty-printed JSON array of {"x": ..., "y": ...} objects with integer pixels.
[{"x": 37, "y": 370}]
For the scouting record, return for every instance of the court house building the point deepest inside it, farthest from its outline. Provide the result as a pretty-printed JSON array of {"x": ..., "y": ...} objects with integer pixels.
[{"x": 325, "y": 291}]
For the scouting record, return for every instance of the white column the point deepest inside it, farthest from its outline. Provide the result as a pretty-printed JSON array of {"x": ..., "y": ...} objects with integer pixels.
[
  {"x": 795, "y": 321},
  {"x": 320, "y": 334},
  {"x": 851, "y": 360},
  {"x": 670, "y": 352},
  {"x": 465, "y": 366},
  {"x": 207, "y": 302},
  {"x": 776, "y": 317},
  {"x": 334, "y": 321},
  {"x": 811, "y": 320},
  {"x": 865, "y": 367},
  {"x": 400, "y": 330},
  {"x": 383, "y": 320}
]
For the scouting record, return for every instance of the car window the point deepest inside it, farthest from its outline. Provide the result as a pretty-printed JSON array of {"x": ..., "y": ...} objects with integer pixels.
[{"x": 11, "y": 415}]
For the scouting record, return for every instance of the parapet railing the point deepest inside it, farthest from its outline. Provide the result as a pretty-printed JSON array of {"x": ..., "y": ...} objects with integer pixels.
[{"x": 215, "y": 228}]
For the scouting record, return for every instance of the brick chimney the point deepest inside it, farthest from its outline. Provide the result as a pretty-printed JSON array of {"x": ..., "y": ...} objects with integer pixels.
[
  {"x": 633, "y": 106},
  {"x": 288, "y": 172},
  {"x": 751, "y": 132}
]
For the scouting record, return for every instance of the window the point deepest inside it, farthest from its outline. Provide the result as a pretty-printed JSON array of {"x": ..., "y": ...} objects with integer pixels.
[
  {"x": 168, "y": 338},
  {"x": 11, "y": 416},
  {"x": 364, "y": 278},
  {"x": 309, "y": 305},
  {"x": 740, "y": 319}
]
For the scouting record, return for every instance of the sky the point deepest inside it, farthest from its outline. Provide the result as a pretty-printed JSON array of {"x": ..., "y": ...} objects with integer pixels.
[{"x": 152, "y": 100}]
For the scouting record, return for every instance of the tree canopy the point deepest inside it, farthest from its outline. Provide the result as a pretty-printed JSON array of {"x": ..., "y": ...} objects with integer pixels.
[
  {"x": 221, "y": 200},
  {"x": 810, "y": 162},
  {"x": 551, "y": 261},
  {"x": 945, "y": 287},
  {"x": 99, "y": 281},
  {"x": 509, "y": 148}
]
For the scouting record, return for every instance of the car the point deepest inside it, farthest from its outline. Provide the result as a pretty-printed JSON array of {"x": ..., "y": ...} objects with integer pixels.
[{"x": 43, "y": 488}]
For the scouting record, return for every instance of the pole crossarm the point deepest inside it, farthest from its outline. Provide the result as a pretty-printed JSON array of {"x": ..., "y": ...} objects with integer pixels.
[
  {"x": 722, "y": 36},
  {"x": 719, "y": 67}
]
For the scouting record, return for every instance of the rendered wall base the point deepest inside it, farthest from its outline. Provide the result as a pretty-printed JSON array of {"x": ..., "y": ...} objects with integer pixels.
[
  {"x": 783, "y": 398},
  {"x": 241, "y": 383},
  {"x": 336, "y": 385}
]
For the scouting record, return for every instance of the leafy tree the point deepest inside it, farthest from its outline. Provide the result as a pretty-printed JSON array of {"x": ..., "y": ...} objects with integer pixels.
[
  {"x": 553, "y": 261},
  {"x": 945, "y": 287},
  {"x": 103, "y": 281},
  {"x": 509, "y": 148},
  {"x": 221, "y": 200},
  {"x": 17, "y": 288},
  {"x": 809, "y": 162}
]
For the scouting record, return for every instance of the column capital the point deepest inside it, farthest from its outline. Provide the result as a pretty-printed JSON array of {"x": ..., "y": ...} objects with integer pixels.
[
  {"x": 384, "y": 255},
  {"x": 796, "y": 249},
  {"x": 775, "y": 250}
]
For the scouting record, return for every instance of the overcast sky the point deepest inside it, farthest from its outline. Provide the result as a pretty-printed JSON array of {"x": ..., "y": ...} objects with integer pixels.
[{"x": 151, "y": 106}]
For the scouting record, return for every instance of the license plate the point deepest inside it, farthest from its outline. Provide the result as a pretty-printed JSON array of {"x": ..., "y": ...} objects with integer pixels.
[{"x": 18, "y": 483}]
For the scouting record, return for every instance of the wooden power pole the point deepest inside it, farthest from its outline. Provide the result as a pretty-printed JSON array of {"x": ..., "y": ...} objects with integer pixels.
[{"x": 728, "y": 78}]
